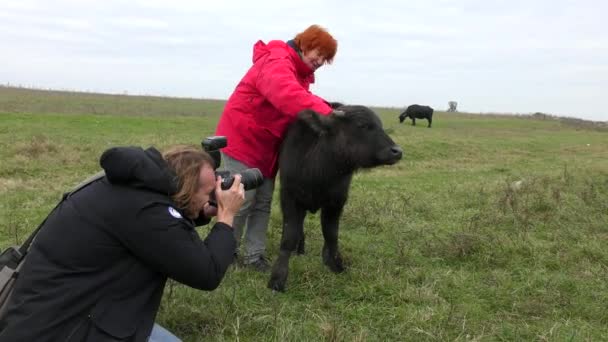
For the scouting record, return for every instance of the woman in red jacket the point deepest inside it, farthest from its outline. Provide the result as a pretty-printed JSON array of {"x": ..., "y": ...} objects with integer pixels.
[{"x": 256, "y": 116}]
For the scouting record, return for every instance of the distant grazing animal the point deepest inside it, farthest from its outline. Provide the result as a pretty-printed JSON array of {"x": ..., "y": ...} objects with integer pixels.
[
  {"x": 318, "y": 158},
  {"x": 417, "y": 112}
]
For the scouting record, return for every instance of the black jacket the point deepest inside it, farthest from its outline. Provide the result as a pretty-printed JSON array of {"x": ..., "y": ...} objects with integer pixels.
[{"x": 97, "y": 269}]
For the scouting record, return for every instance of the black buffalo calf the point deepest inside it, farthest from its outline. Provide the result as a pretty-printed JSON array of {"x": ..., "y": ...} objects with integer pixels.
[
  {"x": 316, "y": 164},
  {"x": 417, "y": 112}
]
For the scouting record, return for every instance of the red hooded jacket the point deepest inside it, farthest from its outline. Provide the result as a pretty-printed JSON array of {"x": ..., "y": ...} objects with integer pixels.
[{"x": 264, "y": 103}]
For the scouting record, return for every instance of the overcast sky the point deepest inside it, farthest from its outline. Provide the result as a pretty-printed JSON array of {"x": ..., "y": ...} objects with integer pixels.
[{"x": 491, "y": 56}]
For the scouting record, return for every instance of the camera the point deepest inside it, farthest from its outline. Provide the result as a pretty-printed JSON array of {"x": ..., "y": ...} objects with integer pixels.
[{"x": 250, "y": 178}]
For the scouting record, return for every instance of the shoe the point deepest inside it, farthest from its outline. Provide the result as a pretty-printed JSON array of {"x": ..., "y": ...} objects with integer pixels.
[{"x": 260, "y": 265}]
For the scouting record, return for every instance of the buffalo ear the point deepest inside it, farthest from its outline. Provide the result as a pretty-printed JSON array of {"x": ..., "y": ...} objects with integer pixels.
[
  {"x": 316, "y": 122},
  {"x": 335, "y": 105}
]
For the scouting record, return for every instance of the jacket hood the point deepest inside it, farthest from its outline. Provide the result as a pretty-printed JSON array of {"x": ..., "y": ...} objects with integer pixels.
[
  {"x": 281, "y": 49},
  {"x": 140, "y": 168}
]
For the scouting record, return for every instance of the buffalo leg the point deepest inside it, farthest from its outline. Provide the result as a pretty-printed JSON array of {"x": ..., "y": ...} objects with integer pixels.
[
  {"x": 293, "y": 229},
  {"x": 413, "y": 121},
  {"x": 430, "y": 122},
  {"x": 330, "y": 219},
  {"x": 301, "y": 249}
]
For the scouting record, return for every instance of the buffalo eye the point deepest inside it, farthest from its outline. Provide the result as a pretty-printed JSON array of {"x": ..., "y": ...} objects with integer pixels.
[{"x": 366, "y": 126}]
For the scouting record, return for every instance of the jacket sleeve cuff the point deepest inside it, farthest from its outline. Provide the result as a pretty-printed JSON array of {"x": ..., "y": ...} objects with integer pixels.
[
  {"x": 201, "y": 221},
  {"x": 222, "y": 225}
]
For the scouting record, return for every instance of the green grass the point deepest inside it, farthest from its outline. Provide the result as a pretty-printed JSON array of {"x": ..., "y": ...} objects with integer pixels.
[{"x": 492, "y": 228}]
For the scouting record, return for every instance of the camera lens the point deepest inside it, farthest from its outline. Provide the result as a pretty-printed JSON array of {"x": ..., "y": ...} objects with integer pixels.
[{"x": 251, "y": 179}]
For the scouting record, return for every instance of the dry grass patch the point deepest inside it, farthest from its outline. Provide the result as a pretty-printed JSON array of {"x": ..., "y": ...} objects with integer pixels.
[
  {"x": 9, "y": 184},
  {"x": 39, "y": 145}
]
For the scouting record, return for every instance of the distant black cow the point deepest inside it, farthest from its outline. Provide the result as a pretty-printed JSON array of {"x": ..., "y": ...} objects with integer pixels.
[
  {"x": 316, "y": 164},
  {"x": 417, "y": 112}
]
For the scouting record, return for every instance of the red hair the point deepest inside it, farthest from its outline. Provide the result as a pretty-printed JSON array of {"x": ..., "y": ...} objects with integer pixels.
[{"x": 316, "y": 37}]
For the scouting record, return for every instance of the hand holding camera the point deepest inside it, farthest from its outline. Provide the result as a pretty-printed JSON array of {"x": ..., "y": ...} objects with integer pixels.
[
  {"x": 229, "y": 201},
  {"x": 228, "y": 184},
  {"x": 250, "y": 178}
]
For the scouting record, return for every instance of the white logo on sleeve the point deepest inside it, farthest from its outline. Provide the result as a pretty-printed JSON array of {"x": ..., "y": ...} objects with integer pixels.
[{"x": 175, "y": 213}]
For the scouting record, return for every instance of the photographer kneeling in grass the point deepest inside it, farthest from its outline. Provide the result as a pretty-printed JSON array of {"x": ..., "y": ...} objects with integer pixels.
[{"x": 97, "y": 269}]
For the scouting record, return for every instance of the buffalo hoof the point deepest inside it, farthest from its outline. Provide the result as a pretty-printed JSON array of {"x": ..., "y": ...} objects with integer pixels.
[
  {"x": 278, "y": 278},
  {"x": 276, "y": 284},
  {"x": 335, "y": 263},
  {"x": 301, "y": 249}
]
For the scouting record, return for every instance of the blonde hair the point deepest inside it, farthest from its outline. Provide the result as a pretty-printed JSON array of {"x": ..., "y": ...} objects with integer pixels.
[{"x": 186, "y": 163}]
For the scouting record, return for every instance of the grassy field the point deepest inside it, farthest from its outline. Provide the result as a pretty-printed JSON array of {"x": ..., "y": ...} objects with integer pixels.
[{"x": 491, "y": 228}]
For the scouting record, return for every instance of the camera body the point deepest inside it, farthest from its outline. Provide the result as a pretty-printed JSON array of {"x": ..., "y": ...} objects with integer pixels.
[{"x": 250, "y": 178}]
